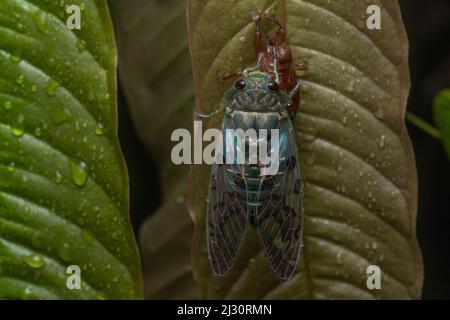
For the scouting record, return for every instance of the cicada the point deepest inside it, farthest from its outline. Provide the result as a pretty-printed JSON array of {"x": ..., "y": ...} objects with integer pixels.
[{"x": 243, "y": 194}]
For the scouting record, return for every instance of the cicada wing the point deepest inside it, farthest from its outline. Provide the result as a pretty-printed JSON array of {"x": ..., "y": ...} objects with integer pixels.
[
  {"x": 227, "y": 215},
  {"x": 279, "y": 219}
]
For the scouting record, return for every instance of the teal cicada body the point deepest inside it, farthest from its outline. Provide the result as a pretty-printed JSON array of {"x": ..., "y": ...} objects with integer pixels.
[{"x": 245, "y": 193}]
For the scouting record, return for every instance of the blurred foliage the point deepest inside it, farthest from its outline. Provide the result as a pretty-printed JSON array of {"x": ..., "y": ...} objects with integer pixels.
[
  {"x": 155, "y": 73},
  {"x": 63, "y": 182},
  {"x": 442, "y": 117}
]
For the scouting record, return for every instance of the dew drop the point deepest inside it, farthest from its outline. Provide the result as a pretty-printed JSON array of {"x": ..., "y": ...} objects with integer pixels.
[
  {"x": 60, "y": 116},
  {"x": 380, "y": 114},
  {"x": 38, "y": 132},
  {"x": 18, "y": 126},
  {"x": 339, "y": 259},
  {"x": 28, "y": 291},
  {"x": 100, "y": 130},
  {"x": 8, "y": 105},
  {"x": 35, "y": 261},
  {"x": 310, "y": 134},
  {"x": 20, "y": 79},
  {"x": 15, "y": 59},
  {"x": 58, "y": 177},
  {"x": 79, "y": 173},
  {"x": 374, "y": 245},
  {"x": 40, "y": 19},
  {"x": 88, "y": 238},
  {"x": 344, "y": 120},
  {"x": 81, "y": 44},
  {"x": 52, "y": 87},
  {"x": 382, "y": 141},
  {"x": 350, "y": 87},
  {"x": 12, "y": 167}
]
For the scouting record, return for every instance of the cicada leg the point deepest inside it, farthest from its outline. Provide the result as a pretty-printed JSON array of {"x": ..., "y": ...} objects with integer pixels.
[
  {"x": 209, "y": 115},
  {"x": 261, "y": 40},
  {"x": 267, "y": 16},
  {"x": 302, "y": 66},
  {"x": 294, "y": 91},
  {"x": 239, "y": 73},
  {"x": 278, "y": 38},
  {"x": 223, "y": 77}
]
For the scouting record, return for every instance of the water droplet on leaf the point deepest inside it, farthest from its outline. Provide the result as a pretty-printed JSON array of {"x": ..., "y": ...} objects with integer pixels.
[
  {"x": 12, "y": 167},
  {"x": 100, "y": 130},
  {"x": 382, "y": 141},
  {"x": 20, "y": 79},
  {"x": 8, "y": 105},
  {"x": 35, "y": 261},
  {"x": 58, "y": 177},
  {"x": 15, "y": 59},
  {"x": 81, "y": 44},
  {"x": 350, "y": 87},
  {"x": 38, "y": 132},
  {"x": 88, "y": 238},
  {"x": 52, "y": 87},
  {"x": 339, "y": 259},
  {"x": 79, "y": 173},
  {"x": 18, "y": 126}
]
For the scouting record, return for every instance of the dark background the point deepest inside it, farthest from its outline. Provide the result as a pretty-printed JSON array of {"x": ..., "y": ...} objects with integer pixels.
[{"x": 428, "y": 27}]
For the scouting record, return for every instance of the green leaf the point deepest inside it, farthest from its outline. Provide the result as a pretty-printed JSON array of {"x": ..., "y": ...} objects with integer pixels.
[
  {"x": 442, "y": 117},
  {"x": 156, "y": 75},
  {"x": 355, "y": 154},
  {"x": 63, "y": 182}
]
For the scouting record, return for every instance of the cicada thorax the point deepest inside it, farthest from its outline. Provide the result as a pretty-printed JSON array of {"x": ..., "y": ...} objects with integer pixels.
[{"x": 249, "y": 179}]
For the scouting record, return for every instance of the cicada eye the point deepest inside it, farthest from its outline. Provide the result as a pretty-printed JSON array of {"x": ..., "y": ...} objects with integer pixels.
[
  {"x": 240, "y": 84},
  {"x": 273, "y": 86}
]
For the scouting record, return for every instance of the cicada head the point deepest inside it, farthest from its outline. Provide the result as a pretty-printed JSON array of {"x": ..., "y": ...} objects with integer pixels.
[{"x": 257, "y": 92}]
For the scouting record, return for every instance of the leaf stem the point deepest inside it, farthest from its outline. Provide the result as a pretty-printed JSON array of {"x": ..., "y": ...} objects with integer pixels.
[{"x": 423, "y": 125}]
